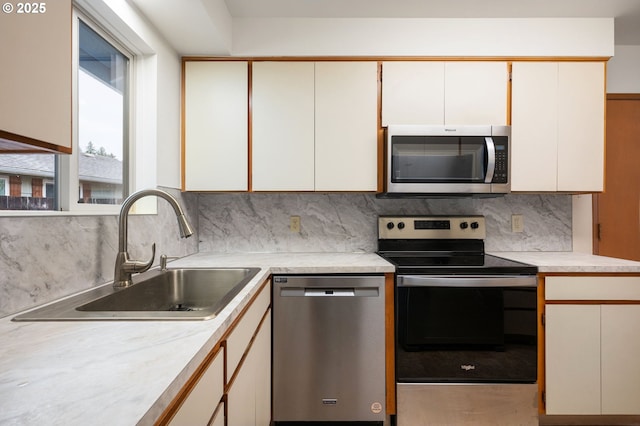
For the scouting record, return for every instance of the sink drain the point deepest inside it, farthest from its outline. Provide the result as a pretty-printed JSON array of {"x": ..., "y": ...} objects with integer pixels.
[{"x": 181, "y": 307}]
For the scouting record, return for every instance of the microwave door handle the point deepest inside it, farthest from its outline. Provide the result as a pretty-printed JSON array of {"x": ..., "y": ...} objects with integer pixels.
[{"x": 491, "y": 159}]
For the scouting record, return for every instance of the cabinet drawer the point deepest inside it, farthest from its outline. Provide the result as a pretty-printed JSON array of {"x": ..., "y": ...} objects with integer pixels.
[
  {"x": 205, "y": 396},
  {"x": 241, "y": 335},
  {"x": 592, "y": 288}
]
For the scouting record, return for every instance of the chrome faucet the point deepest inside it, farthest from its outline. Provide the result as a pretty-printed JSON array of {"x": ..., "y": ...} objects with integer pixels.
[{"x": 125, "y": 266}]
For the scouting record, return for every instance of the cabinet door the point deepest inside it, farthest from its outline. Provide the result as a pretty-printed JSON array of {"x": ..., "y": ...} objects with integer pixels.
[
  {"x": 534, "y": 126},
  {"x": 572, "y": 358},
  {"x": 216, "y": 124},
  {"x": 558, "y": 119},
  {"x": 218, "y": 417},
  {"x": 283, "y": 126},
  {"x": 262, "y": 372},
  {"x": 412, "y": 93},
  {"x": 581, "y": 102},
  {"x": 346, "y": 126},
  {"x": 249, "y": 397},
  {"x": 200, "y": 404},
  {"x": 475, "y": 93},
  {"x": 620, "y": 355},
  {"x": 35, "y": 78},
  {"x": 239, "y": 339}
]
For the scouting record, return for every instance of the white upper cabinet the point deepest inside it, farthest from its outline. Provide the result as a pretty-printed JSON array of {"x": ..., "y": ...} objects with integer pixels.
[
  {"x": 346, "y": 126},
  {"x": 283, "y": 105},
  {"x": 475, "y": 93},
  {"x": 558, "y": 119},
  {"x": 412, "y": 93},
  {"x": 314, "y": 126},
  {"x": 534, "y": 126},
  {"x": 216, "y": 126},
  {"x": 581, "y": 133},
  {"x": 35, "y": 78},
  {"x": 457, "y": 93}
]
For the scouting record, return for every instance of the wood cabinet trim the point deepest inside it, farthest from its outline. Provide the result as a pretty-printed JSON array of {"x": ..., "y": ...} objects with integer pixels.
[
  {"x": 623, "y": 96},
  {"x": 541, "y": 347},
  {"x": 183, "y": 127},
  {"x": 390, "y": 342},
  {"x": 401, "y": 58},
  {"x": 11, "y": 143},
  {"x": 191, "y": 383}
]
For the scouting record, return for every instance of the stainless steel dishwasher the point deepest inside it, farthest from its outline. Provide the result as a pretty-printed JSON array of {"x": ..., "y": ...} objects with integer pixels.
[{"x": 328, "y": 348}]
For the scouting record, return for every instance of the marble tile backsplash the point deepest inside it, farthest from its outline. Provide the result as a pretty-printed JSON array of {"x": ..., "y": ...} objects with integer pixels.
[
  {"x": 347, "y": 222},
  {"x": 45, "y": 258}
]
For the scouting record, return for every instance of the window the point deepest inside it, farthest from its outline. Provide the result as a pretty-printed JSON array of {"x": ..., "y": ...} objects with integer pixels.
[
  {"x": 97, "y": 171},
  {"x": 102, "y": 119}
]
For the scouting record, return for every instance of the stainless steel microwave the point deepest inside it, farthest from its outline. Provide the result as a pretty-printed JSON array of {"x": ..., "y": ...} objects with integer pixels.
[{"x": 452, "y": 160}]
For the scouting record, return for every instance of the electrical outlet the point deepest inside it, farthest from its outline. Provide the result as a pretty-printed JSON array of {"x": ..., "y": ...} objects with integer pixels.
[
  {"x": 517, "y": 223},
  {"x": 294, "y": 223}
]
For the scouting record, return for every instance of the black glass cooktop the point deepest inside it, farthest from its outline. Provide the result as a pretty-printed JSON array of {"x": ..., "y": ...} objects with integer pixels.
[{"x": 430, "y": 264}]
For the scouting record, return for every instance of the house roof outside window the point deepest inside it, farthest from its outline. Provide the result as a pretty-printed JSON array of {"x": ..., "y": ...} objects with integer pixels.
[{"x": 92, "y": 168}]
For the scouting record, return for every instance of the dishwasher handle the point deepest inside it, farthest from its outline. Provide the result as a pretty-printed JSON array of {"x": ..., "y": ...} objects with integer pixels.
[{"x": 329, "y": 292}]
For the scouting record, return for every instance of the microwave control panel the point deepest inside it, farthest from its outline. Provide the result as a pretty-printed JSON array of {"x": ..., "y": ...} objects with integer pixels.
[{"x": 502, "y": 160}]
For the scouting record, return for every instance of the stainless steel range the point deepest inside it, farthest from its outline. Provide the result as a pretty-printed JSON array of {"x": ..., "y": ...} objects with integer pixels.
[{"x": 466, "y": 324}]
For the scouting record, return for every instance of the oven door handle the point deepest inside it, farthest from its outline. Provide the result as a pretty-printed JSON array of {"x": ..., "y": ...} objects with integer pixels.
[{"x": 466, "y": 281}]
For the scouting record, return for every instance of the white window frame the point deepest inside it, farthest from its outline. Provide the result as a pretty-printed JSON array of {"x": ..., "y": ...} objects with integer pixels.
[{"x": 68, "y": 171}]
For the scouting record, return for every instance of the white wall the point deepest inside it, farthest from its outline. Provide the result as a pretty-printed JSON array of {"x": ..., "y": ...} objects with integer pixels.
[
  {"x": 423, "y": 37},
  {"x": 623, "y": 70}
]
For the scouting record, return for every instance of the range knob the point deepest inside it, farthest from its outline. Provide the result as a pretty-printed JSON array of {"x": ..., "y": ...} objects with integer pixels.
[
  {"x": 464, "y": 225},
  {"x": 475, "y": 225},
  {"x": 401, "y": 225},
  {"x": 390, "y": 225}
]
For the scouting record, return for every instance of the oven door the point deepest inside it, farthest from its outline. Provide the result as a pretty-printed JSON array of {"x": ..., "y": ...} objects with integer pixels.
[{"x": 466, "y": 329}]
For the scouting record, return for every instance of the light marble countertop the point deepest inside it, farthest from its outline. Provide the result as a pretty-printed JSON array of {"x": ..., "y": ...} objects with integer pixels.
[
  {"x": 127, "y": 372},
  {"x": 572, "y": 262}
]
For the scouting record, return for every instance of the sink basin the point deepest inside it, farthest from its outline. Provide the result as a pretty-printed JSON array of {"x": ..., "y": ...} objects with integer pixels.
[{"x": 172, "y": 294}]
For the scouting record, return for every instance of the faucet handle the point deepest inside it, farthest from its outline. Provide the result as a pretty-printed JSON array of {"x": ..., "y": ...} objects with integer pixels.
[{"x": 139, "y": 266}]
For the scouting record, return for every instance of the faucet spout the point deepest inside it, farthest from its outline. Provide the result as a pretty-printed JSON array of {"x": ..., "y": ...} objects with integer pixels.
[{"x": 125, "y": 267}]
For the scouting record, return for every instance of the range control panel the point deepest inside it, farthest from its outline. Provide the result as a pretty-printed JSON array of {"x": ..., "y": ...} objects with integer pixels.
[{"x": 431, "y": 227}]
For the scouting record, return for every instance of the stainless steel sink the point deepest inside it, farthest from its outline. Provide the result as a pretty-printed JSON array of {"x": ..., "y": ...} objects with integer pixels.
[{"x": 172, "y": 294}]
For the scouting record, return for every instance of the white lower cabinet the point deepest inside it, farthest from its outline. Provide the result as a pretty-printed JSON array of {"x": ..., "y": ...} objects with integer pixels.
[
  {"x": 620, "y": 359},
  {"x": 572, "y": 342},
  {"x": 199, "y": 406},
  {"x": 249, "y": 397},
  {"x": 218, "y": 416},
  {"x": 592, "y": 346}
]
